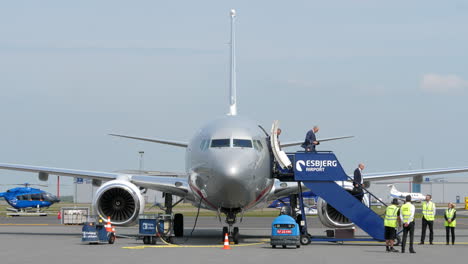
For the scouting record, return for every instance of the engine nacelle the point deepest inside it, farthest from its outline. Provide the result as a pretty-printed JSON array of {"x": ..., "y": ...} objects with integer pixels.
[
  {"x": 330, "y": 217},
  {"x": 119, "y": 199}
]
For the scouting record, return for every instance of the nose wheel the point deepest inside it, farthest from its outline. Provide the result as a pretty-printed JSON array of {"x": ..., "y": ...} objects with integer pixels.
[{"x": 233, "y": 234}]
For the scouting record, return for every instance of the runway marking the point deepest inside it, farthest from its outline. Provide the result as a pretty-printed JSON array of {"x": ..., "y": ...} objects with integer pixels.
[{"x": 197, "y": 246}]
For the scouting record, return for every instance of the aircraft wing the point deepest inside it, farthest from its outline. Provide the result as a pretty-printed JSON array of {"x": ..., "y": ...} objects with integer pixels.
[
  {"x": 173, "y": 183},
  {"x": 411, "y": 173},
  {"x": 282, "y": 189},
  {"x": 297, "y": 143},
  {"x": 154, "y": 140}
]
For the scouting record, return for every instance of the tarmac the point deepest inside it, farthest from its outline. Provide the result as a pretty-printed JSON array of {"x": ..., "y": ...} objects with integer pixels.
[{"x": 45, "y": 240}]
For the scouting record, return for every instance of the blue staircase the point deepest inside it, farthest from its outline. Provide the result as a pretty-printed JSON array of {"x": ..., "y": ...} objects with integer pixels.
[{"x": 319, "y": 171}]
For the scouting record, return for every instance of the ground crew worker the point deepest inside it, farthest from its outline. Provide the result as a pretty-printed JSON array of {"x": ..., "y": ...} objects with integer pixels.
[
  {"x": 429, "y": 211},
  {"x": 407, "y": 218},
  {"x": 390, "y": 223},
  {"x": 450, "y": 222}
]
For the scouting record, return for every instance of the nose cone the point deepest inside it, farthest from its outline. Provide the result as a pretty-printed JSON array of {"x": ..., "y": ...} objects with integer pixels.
[
  {"x": 232, "y": 181},
  {"x": 55, "y": 199}
]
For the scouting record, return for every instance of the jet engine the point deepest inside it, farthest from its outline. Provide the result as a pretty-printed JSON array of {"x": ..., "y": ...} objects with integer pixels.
[
  {"x": 119, "y": 199},
  {"x": 330, "y": 217}
]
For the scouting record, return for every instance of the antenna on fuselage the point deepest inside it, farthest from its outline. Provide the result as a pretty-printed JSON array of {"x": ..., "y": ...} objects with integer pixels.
[{"x": 232, "y": 95}]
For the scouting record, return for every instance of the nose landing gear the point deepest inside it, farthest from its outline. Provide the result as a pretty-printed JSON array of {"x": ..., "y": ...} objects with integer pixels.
[{"x": 233, "y": 232}]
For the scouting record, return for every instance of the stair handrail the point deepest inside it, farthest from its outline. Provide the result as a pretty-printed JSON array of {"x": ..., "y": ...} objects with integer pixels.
[{"x": 367, "y": 191}]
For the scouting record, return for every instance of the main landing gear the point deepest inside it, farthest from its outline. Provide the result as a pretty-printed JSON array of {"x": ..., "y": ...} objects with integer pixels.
[
  {"x": 233, "y": 232},
  {"x": 178, "y": 220}
]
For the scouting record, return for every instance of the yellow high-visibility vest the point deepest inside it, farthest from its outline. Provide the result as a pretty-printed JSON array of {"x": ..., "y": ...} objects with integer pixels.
[
  {"x": 449, "y": 214},
  {"x": 405, "y": 211},
  {"x": 428, "y": 210},
  {"x": 391, "y": 215}
]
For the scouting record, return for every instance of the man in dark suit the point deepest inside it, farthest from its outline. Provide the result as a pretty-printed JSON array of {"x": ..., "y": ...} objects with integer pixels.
[
  {"x": 310, "y": 140},
  {"x": 358, "y": 182}
]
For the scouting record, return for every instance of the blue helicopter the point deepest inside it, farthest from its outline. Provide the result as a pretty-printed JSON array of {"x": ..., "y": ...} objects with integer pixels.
[{"x": 24, "y": 198}]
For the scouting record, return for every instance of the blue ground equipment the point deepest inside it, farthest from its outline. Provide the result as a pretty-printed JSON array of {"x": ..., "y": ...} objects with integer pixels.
[
  {"x": 95, "y": 233},
  {"x": 285, "y": 232},
  {"x": 153, "y": 226},
  {"x": 320, "y": 172}
]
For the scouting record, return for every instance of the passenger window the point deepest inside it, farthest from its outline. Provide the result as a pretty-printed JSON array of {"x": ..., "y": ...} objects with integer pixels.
[
  {"x": 221, "y": 143},
  {"x": 242, "y": 143},
  {"x": 36, "y": 196}
]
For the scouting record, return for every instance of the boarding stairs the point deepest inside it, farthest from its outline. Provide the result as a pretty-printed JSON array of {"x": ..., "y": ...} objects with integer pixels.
[{"x": 320, "y": 172}]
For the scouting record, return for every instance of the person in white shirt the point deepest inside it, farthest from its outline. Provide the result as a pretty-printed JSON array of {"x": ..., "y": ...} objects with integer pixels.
[{"x": 407, "y": 218}]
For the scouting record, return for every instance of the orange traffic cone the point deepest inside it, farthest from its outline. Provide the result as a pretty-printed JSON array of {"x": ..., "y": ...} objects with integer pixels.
[
  {"x": 108, "y": 225},
  {"x": 226, "y": 242},
  {"x": 59, "y": 215}
]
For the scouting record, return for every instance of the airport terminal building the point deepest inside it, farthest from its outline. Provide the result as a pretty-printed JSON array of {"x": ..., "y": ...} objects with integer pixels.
[{"x": 443, "y": 189}]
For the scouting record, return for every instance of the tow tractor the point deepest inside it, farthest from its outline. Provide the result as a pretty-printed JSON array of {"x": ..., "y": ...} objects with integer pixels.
[
  {"x": 96, "y": 233},
  {"x": 321, "y": 172}
]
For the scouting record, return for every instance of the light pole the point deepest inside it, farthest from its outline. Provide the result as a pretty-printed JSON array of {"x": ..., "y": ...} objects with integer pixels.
[{"x": 141, "y": 152}]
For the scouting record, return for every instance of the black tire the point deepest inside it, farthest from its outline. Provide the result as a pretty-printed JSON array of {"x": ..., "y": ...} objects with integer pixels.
[
  {"x": 153, "y": 240},
  {"x": 298, "y": 220},
  {"x": 170, "y": 240},
  {"x": 305, "y": 240},
  {"x": 111, "y": 239},
  {"x": 298, "y": 246},
  {"x": 235, "y": 235},
  {"x": 179, "y": 225},
  {"x": 397, "y": 241},
  {"x": 284, "y": 246},
  {"x": 225, "y": 231},
  {"x": 273, "y": 246},
  {"x": 146, "y": 240}
]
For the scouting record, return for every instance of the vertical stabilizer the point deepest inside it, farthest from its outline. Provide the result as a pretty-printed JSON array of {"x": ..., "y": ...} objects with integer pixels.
[
  {"x": 232, "y": 84},
  {"x": 393, "y": 189}
]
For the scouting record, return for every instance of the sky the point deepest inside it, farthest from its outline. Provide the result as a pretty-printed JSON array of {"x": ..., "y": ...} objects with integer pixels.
[{"x": 392, "y": 73}]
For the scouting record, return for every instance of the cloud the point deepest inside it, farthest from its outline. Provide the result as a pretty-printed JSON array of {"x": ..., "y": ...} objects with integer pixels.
[{"x": 448, "y": 84}]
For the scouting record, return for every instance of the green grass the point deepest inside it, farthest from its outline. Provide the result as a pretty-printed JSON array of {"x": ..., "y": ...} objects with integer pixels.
[
  {"x": 186, "y": 209},
  {"x": 190, "y": 210}
]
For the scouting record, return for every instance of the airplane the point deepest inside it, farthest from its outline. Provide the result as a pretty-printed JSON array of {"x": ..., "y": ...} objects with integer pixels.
[
  {"x": 228, "y": 169},
  {"x": 23, "y": 198},
  {"x": 415, "y": 197}
]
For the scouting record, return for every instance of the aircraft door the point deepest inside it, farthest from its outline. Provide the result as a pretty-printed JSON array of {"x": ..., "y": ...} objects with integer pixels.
[{"x": 279, "y": 155}]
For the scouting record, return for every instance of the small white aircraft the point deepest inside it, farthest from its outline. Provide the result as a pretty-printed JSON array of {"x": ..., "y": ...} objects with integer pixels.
[{"x": 415, "y": 197}]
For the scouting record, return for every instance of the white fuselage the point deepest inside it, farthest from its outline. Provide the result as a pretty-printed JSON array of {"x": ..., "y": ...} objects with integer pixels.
[{"x": 415, "y": 197}]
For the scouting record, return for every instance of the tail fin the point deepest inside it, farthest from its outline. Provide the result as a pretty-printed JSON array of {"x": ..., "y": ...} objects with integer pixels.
[
  {"x": 232, "y": 95},
  {"x": 392, "y": 188}
]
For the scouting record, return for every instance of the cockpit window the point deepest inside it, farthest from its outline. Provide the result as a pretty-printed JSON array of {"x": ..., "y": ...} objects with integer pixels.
[
  {"x": 221, "y": 143},
  {"x": 242, "y": 143},
  {"x": 258, "y": 145},
  {"x": 204, "y": 144}
]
